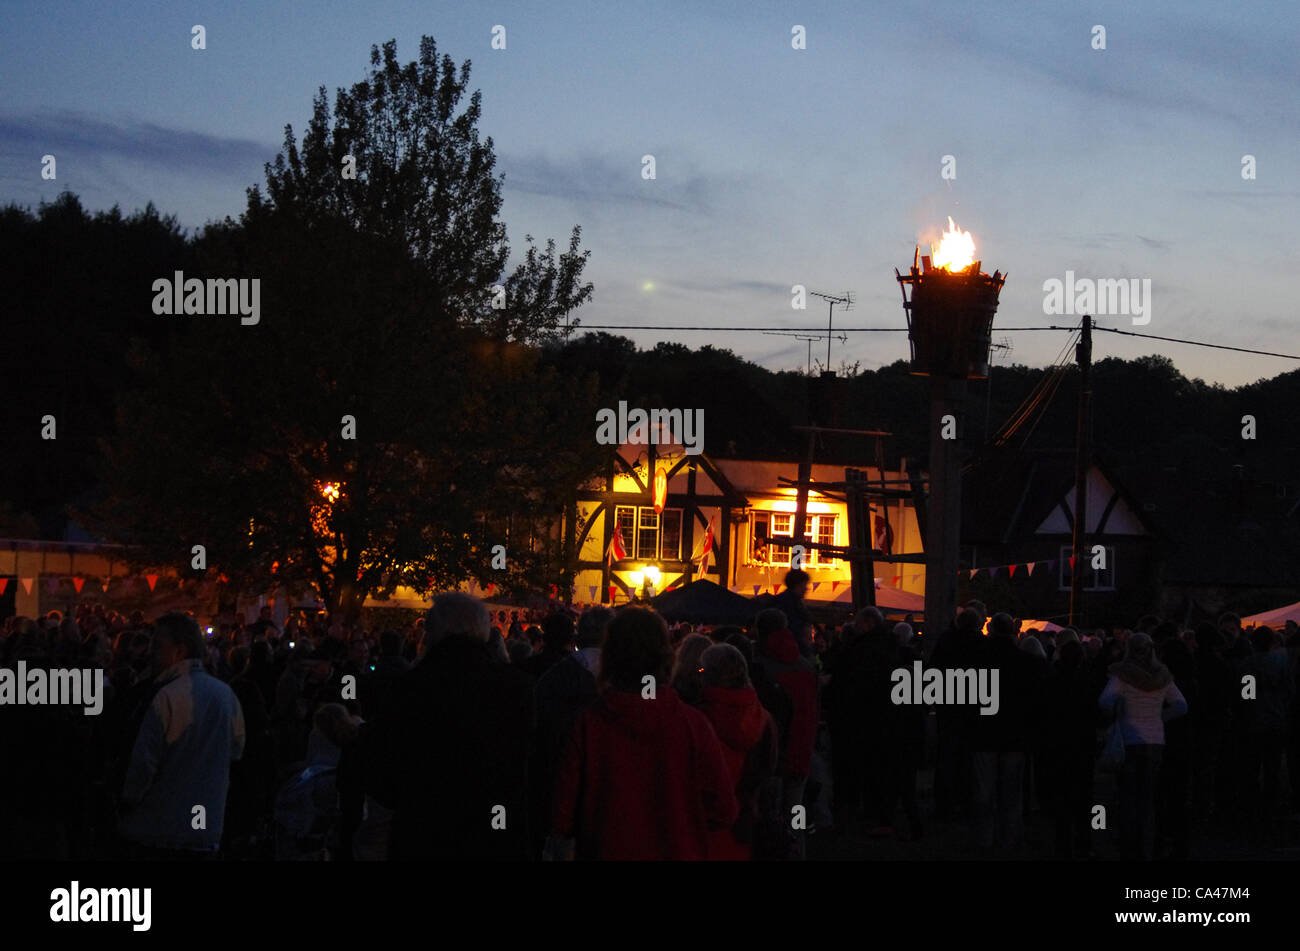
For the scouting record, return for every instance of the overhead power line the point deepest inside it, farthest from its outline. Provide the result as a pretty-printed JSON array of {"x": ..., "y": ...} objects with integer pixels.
[
  {"x": 1198, "y": 343},
  {"x": 887, "y": 330}
]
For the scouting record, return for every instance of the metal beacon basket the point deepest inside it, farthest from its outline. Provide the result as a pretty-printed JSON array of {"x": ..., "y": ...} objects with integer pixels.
[{"x": 950, "y": 318}]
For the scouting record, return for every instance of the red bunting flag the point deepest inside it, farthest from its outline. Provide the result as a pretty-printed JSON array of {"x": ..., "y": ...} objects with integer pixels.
[
  {"x": 834, "y": 585},
  {"x": 153, "y": 581},
  {"x": 897, "y": 580},
  {"x": 612, "y": 589},
  {"x": 27, "y": 584},
  {"x": 1011, "y": 570},
  {"x": 76, "y": 583},
  {"x": 492, "y": 586},
  {"x": 553, "y": 590},
  {"x": 776, "y": 588},
  {"x": 4, "y": 583},
  {"x": 1071, "y": 562}
]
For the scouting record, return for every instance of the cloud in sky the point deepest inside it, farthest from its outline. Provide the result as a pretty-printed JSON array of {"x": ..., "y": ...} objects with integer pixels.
[{"x": 133, "y": 139}]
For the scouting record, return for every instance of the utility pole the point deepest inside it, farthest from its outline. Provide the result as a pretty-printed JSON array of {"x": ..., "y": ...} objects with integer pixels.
[{"x": 1083, "y": 355}]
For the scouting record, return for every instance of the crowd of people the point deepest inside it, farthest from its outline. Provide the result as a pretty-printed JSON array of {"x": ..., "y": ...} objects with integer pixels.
[{"x": 609, "y": 734}]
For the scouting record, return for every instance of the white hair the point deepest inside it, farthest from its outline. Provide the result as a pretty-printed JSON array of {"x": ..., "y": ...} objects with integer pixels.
[{"x": 456, "y": 613}]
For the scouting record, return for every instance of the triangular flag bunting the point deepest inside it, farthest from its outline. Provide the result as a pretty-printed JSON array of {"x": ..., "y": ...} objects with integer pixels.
[
  {"x": 554, "y": 589},
  {"x": 1029, "y": 568},
  {"x": 974, "y": 572},
  {"x": 757, "y": 588},
  {"x": 1071, "y": 562},
  {"x": 834, "y": 585},
  {"x": 27, "y": 584},
  {"x": 4, "y": 583},
  {"x": 915, "y": 578},
  {"x": 815, "y": 584},
  {"x": 1011, "y": 570},
  {"x": 77, "y": 583},
  {"x": 612, "y": 589},
  {"x": 153, "y": 581},
  {"x": 593, "y": 589},
  {"x": 993, "y": 571},
  {"x": 776, "y": 588},
  {"x": 897, "y": 580}
]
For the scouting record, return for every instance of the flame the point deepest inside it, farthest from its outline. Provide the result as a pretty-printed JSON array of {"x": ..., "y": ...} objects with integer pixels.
[{"x": 956, "y": 250}]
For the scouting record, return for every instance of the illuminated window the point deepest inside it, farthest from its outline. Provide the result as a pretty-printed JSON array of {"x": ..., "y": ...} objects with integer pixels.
[
  {"x": 648, "y": 536},
  {"x": 821, "y": 528}
]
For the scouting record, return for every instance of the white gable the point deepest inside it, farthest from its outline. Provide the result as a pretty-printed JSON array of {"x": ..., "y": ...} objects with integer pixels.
[{"x": 1121, "y": 520}]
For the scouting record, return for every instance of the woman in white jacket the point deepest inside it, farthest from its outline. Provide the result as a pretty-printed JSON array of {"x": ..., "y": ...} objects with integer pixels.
[{"x": 1141, "y": 691}]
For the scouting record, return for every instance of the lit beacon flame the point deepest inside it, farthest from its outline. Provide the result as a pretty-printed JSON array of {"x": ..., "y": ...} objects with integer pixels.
[{"x": 956, "y": 250}]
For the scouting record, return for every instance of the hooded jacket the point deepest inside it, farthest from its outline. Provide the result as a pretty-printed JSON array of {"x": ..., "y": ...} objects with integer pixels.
[
  {"x": 749, "y": 745},
  {"x": 1149, "y": 697},
  {"x": 780, "y": 658},
  {"x": 642, "y": 779}
]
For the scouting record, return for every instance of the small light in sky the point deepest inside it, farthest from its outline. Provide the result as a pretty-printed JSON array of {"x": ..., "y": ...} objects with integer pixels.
[{"x": 648, "y": 286}]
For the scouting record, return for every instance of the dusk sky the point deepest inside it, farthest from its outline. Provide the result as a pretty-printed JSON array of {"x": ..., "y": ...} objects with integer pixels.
[{"x": 775, "y": 166}]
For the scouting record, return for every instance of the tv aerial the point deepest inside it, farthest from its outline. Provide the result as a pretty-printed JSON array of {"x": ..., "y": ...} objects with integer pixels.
[{"x": 845, "y": 301}]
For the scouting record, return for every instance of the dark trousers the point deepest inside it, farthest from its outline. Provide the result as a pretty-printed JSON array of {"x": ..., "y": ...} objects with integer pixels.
[
  {"x": 997, "y": 799},
  {"x": 1172, "y": 794},
  {"x": 1137, "y": 801},
  {"x": 1067, "y": 784}
]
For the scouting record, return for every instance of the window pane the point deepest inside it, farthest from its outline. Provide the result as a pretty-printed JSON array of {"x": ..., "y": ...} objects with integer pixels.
[
  {"x": 758, "y": 547},
  {"x": 647, "y": 538},
  {"x": 825, "y": 529},
  {"x": 670, "y": 549},
  {"x": 782, "y": 524}
]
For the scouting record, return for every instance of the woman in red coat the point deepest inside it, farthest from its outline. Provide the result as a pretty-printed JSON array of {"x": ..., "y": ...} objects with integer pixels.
[
  {"x": 643, "y": 776},
  {"x": 749, "y": 743}
]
